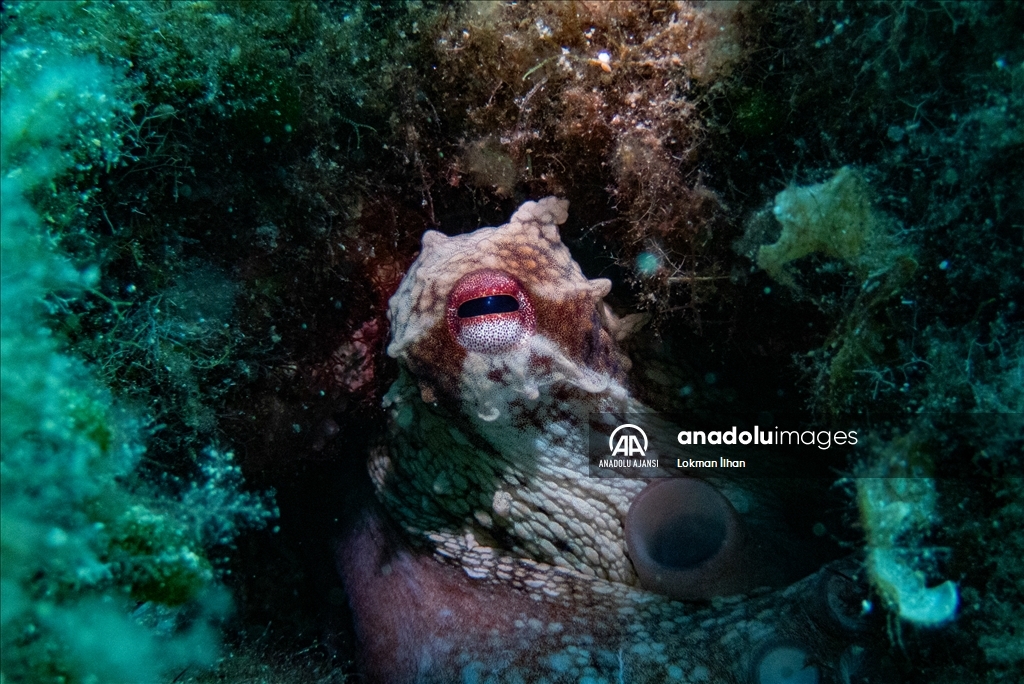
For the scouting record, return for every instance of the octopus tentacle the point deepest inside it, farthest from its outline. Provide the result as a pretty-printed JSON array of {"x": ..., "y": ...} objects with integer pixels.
[{"x": 506, "y": 619}]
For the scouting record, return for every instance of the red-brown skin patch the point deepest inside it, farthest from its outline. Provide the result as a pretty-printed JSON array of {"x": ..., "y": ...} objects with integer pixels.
[
  {"x": 437, "y": 358},
  {"x": 415, "y": 616},
  {"x": 573, "y": 324}
]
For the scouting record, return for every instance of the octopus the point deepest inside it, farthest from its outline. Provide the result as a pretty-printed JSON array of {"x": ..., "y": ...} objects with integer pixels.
[{"x": 495, "y": 556}]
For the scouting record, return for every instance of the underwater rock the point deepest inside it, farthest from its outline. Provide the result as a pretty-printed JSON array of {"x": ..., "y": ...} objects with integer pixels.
[{"x": 514, "y": 565}]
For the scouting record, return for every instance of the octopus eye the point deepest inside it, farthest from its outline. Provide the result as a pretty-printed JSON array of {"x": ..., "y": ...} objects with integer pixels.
[
  {"x": 493, "y": 304},
  {"x": 489, "y": 312}
]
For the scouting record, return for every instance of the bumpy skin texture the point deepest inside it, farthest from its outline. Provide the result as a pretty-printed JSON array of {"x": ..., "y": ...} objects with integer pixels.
[
  {"x": 514, "y": 567},
  {"x": 495, "y": 440}
]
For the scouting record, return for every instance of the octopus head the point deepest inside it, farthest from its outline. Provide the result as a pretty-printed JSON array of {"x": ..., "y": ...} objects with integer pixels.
[{"x": 501, "y": 314}]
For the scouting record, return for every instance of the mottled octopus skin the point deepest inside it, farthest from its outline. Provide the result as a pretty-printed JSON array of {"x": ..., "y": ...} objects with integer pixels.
[{"x": 514, "y": 567}]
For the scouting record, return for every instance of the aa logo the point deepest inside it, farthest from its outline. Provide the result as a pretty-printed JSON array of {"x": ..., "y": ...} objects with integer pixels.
[{"x": 628, "y": 443}]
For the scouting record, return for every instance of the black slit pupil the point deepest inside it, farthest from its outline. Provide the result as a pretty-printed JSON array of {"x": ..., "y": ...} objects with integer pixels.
[{"x": 494, "y": 304}]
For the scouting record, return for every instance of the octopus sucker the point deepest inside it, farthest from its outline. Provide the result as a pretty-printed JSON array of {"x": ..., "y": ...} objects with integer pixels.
[{"x": 495, "y": 557}]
